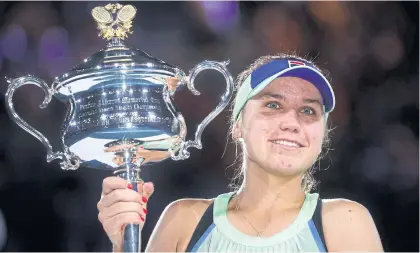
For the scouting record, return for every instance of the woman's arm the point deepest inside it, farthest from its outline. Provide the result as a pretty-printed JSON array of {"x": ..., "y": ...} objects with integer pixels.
[
  {"x": 348, "y": 226},
  {"x": 165, "y": 235}
]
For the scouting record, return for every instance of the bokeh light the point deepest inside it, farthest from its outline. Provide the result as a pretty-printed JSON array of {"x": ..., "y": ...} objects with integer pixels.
[
  {"x": 54, "y": 50},
  {"x": 14, "y": 43},
  {"x": 221, "y": 16}
]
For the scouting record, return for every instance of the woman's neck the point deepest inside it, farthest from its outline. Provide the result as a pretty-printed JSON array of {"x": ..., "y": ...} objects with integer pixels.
[{"x": 262, "y": 191}]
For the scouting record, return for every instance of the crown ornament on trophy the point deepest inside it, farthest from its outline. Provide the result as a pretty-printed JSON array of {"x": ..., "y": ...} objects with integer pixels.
[
  {"x": 114, "y": 20},
  {"x": 120, "y": 110}
]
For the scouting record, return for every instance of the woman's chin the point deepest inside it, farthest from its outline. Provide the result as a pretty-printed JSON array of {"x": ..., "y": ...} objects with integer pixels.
[{"x": 285, "y": 166}]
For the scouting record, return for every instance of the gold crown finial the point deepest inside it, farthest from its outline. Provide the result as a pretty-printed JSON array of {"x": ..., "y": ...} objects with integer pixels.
[{"x": 114, "y": 20}]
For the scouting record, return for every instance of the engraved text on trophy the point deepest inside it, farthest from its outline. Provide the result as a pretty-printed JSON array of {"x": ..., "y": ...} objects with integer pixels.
[{"x": 122, "y": 108}]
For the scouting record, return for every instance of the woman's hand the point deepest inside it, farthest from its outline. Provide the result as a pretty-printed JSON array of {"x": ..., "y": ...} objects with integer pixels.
[{"x": 120, "y": 205}]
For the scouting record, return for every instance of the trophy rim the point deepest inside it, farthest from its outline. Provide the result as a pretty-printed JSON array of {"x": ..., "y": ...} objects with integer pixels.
[{"x": 117, "y": 71}]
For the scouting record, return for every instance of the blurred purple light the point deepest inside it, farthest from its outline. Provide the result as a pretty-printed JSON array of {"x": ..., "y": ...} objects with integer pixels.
[
  {"x": 54, "y": 44},
  {"x": 1, "y": 60},
  {"x": 14, "y": 43},
  {"x": 220, "y": 16},
  {"x": 53, "y": 49}
]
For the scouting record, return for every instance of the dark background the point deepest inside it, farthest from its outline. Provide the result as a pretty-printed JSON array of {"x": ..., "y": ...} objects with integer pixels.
[{"x": 370, "y": 49}]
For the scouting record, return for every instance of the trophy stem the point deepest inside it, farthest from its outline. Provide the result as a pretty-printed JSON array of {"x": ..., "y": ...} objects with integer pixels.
[{"x": 130, "y": 172}]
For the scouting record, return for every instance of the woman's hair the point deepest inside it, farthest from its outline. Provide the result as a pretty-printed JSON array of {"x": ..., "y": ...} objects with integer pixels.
[{"x": 308, "y": 181}]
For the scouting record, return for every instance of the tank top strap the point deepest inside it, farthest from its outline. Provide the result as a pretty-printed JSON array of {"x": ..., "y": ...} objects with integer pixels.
[
  {"x": 309, "y": 206},
  {"x": 221, "y": 203}
]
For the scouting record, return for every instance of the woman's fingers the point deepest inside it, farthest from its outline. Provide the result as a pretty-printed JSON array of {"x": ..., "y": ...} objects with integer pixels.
[
  {"x": 120, "y": 195},
  {"x": 110, "y": 184}
]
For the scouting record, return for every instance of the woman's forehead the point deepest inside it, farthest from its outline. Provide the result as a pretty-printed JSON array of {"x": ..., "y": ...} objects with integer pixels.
[{"x": 291, "y": 86}]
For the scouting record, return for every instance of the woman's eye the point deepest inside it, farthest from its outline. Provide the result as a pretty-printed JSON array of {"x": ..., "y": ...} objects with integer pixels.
[
  {"x": 308, "y": 111},
  {"x": 273, "y": 105}
]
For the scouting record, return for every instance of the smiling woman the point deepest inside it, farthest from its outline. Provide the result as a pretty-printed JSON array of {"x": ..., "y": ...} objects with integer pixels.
[
  {"x": 290, "y": 78},
  {"x": 279, "y": 120}
]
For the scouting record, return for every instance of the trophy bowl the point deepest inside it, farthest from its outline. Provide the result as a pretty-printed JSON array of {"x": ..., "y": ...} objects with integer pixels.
[{"x": 120, "y": 107}]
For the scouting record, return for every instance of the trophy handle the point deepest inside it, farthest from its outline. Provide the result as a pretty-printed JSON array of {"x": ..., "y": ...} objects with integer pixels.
[
  {"x": 69, "y": 160},
  {"x": 220, "y": 67}
]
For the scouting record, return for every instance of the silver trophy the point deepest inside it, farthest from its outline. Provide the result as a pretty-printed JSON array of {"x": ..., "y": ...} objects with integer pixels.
[{"x": 120, "y": 111}]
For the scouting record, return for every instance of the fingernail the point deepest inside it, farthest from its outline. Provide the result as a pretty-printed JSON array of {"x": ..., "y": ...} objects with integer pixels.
[
  {"x": 129, "y": 186},
  {"x": 141, "y": 218},
  {"x": 141, "y": 147},
  {"x": 144, "y": 199},
  {"x": 145, "y": 210}
]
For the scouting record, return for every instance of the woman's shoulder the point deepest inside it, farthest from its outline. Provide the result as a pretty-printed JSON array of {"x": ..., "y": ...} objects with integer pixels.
[
  {"x": 346, "y": 212},
  {"x": 177, "y": 224},
  {"x": 189, "y": 206},
  {"x": 341, "y": 207},
  {"x": 193, "y": 206},
  {"x": 189, "y": 211},
  {"x": 344, "y": 218}
]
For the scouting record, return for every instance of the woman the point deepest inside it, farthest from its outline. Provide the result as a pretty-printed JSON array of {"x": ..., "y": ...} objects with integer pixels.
[{"x": 280, "y": 121}]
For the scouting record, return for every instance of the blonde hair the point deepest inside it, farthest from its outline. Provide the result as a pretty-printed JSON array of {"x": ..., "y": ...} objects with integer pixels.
[{"x": 308, "y": 181}]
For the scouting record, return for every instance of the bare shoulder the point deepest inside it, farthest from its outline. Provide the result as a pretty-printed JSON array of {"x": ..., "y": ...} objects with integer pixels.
[
  {"x": 348, "y": 226},
  {"x": 188, "y": 210},
  {"x": 190, "y": 204},
  {"x": 346, "y": 207},
  {"x": 182, "y": 213}
]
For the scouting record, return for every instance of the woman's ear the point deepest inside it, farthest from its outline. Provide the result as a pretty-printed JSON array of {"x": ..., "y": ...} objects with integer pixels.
[{"x": 236, "y": 131}]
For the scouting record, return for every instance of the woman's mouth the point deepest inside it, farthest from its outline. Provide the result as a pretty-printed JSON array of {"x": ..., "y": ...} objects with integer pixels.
[{"x": 287, "y": 143}]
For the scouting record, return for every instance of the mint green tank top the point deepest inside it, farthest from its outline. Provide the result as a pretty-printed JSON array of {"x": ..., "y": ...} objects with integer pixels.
[{"x": 222, "y": 236}]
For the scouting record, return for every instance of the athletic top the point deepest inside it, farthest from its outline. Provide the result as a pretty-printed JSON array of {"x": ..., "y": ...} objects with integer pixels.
[{"x": 214, "y": 232}]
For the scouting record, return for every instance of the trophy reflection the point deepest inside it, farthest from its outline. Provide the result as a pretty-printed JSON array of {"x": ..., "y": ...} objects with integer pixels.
[
  {"x": 140, "y": 152},
  {"x": 120, "y": 105}
]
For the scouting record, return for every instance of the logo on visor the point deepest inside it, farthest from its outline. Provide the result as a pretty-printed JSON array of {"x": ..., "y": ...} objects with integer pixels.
[{"x": 293, "y": 63}]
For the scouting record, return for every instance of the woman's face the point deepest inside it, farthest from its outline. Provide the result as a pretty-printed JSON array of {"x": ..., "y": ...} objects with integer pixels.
[{"x": 283, "y": 126}]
